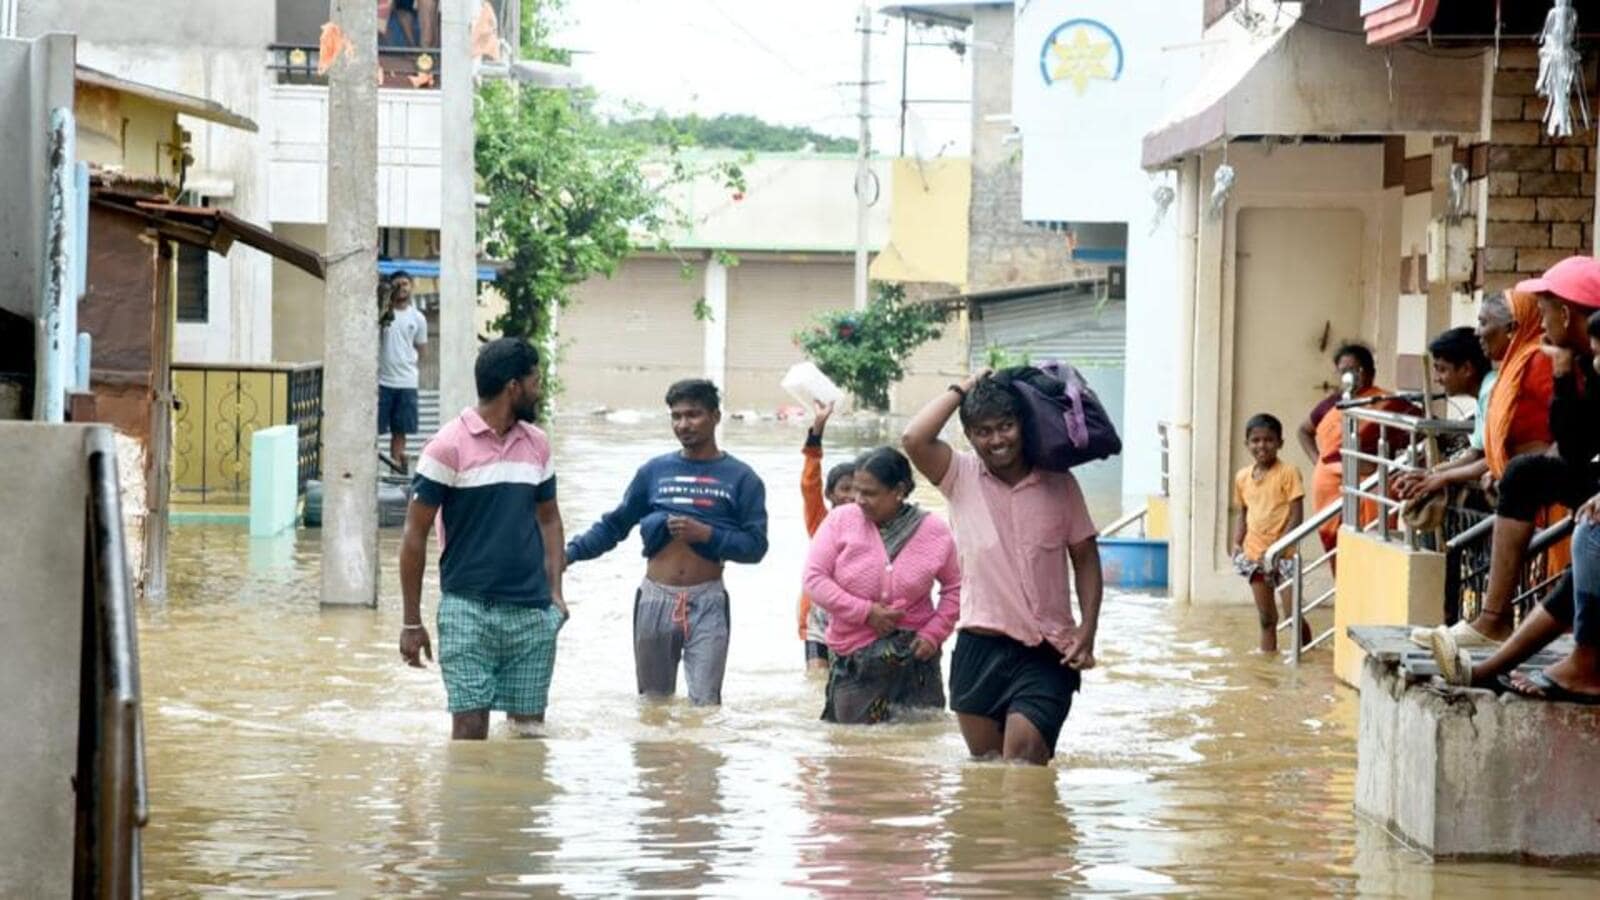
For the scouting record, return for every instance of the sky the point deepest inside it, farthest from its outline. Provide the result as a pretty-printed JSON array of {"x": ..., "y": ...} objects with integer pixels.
[{"x": 785, "y": 61}]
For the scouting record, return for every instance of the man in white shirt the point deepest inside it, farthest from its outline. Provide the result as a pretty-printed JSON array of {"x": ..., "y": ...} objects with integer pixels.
[{"x": 405, "y": 331}]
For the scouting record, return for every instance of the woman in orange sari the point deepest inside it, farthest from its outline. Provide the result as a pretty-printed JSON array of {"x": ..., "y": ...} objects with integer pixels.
[
  {"x": 1518, "y": 419},
  {"x": 1519, "y": 410},
  {"x": 1323, "y": 432}
]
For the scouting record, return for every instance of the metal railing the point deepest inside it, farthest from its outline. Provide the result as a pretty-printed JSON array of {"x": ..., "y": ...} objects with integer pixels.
[
  {"x": 1128, "y": 520},
  {"x": 112, "y": 798},
  {"x": 1385, "y": 463},
  {"x": 296, "y": 63},
  {"x": 1373, "y": 487},
  {"x": 1467, "y": 563},
  {"x": 219, "y": 409}
]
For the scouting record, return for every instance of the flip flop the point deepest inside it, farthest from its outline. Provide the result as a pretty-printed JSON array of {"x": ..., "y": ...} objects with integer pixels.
[
  {"x": 1455, "y": 663},
  {"x": 1549, "y": 690}
]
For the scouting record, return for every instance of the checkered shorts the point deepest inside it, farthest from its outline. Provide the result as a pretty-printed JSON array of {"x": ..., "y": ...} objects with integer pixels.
[
  {"x": 497, "y": 655},
  {"x": 1250, "y": 568}
]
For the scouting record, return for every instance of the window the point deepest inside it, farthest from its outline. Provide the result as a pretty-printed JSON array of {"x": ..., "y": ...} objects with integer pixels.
[{"x": 194, "y": 290}]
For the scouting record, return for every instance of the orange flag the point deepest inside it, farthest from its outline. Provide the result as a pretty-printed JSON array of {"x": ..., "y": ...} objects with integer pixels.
[{"x": 333, "y": 43}]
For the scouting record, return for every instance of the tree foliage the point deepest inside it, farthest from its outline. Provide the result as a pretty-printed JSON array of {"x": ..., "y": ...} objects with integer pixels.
[
  {"x": 568, "y": 200},
  {"x": 865, "y": 351},
  {"x": 732, "y": 132}
]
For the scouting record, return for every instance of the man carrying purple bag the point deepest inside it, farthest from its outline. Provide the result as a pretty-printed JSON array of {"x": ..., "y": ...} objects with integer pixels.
[{"x": 1019, "y": 652}]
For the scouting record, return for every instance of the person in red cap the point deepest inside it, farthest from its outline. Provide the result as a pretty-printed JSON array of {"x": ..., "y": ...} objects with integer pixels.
[{"x": 1569, "y": 305}]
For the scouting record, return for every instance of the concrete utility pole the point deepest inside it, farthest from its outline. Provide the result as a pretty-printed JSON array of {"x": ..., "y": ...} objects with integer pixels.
[
  {"x": 458, "y": 242},
  {"x": 350, "y": 348},
  {"x": 863, "y": 153}
]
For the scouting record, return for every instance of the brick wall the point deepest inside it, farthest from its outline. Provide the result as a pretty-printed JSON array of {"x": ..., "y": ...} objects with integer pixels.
[
  {"x": 1001, "y": 250},
  {"x": 1541, "y": 190}
]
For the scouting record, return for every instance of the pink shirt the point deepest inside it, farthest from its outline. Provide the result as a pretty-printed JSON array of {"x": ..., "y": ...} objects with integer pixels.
[
  {"x": 1013, "y": 544},
  {"x": 848, "y": 570}
]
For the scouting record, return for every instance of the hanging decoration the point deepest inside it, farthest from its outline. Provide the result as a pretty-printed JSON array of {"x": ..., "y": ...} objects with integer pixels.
[
  {"x": 1560, "y": 70},
  {"x": 1162, "y": 197},
  {"x": 1456, "y": 209},
  {"x": 1221, "y": 190}
]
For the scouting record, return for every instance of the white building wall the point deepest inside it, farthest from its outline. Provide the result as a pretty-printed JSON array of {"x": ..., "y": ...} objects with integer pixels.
[
  {"x": 1081, "y": 152},
  {"x": 220, "y": 58},
  {"x": 408, "y": 156}
]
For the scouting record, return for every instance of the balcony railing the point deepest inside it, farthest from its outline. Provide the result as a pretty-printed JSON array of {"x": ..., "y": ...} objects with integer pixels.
[
  {"x": 402, "y": 67},
  {"x": 295, "y": 58},
  {"x": 219, "y": 410}
]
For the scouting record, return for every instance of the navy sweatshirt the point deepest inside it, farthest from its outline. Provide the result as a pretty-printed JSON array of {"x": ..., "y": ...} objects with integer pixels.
[{"x": 724, "y": 493}]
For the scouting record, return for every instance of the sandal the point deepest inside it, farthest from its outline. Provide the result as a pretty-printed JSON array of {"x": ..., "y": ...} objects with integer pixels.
[
  {"x": 1549, "y": 690},
  {"x": 1455, "y": 663}
]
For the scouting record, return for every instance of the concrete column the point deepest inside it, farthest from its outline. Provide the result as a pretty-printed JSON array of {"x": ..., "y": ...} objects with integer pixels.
[
  {"x": 1181, "y": 435},
  {"x": 57, "y": 315},
  {"x": 350, "y": 354},
  {"x": 1439, "y": 293},
  {"x": 1209, "y": 444},
  {"x": 458, "y": 256},
  {"x": 716, "y": 325}
]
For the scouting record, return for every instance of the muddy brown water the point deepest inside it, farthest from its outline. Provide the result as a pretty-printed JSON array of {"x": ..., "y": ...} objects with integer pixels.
[{"x": 291, "y": 754}]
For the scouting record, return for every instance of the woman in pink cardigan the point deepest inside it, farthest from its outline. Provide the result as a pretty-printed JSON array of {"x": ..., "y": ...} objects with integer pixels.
[{"x": 872, "y": 566}]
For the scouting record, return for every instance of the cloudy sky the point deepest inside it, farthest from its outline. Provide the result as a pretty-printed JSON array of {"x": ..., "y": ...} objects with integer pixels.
[{"x": 782, "y": 60}]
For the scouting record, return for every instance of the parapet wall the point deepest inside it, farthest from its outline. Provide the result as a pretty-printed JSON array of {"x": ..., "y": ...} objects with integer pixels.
[{"x": 1468, "y": 773}]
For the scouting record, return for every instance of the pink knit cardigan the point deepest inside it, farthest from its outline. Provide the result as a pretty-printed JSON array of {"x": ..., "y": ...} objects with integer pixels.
[{"x": 848, "y": 570}]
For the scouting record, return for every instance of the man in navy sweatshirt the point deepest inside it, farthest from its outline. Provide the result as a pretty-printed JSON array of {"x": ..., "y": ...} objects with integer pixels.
[{"x": 696, "y": 509}]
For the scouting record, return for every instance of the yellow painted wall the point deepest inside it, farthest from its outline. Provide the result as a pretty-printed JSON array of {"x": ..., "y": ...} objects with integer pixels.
[
  {"x": 927, "y": 223},
  {"x": 121, "y": 131},
  {"x": 297, "y": 301},
  {"x": 1158, "y": 519},
  {"x": 1381, "y": 584}
]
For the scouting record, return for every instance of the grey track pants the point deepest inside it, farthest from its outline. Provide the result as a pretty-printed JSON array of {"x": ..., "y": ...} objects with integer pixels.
[{"x": 681, "y": 623}]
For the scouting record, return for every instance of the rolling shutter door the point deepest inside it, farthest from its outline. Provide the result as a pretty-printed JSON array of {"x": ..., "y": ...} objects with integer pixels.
[{"x": 1074, "y": 326}]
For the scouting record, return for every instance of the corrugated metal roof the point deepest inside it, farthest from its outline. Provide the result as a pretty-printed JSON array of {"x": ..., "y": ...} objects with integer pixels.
[{"x": 1073, "y": 326}]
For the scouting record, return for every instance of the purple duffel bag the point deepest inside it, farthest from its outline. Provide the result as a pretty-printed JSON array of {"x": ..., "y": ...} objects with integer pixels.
[{"x": 1063, "y": 422}]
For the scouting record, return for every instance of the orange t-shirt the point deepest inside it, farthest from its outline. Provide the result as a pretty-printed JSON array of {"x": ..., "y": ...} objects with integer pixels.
[{"x": 1266, "y": 501}]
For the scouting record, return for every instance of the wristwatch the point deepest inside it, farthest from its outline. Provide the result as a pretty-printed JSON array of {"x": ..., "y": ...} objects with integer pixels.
[{"x": 960, "y": 391}]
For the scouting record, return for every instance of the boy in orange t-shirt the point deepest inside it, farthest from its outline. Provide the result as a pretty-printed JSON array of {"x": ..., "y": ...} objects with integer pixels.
[{"x": 1271, "y": 504}]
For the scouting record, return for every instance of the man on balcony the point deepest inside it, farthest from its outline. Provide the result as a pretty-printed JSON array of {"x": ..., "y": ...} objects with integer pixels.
[{"x": 405, "y": 331}]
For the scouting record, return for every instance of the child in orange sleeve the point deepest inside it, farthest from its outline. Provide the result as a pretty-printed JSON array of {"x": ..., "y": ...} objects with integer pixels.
[{"x": 839, "y": 489}]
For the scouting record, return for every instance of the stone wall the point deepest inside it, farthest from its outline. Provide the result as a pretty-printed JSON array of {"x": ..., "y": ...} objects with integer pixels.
[
  {"x": 1541, "y": 189},
  {"x": 1002, "y": 251}
]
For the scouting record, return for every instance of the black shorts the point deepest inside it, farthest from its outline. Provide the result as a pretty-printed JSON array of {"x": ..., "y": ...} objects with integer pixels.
[
  {"x": 397, "y": 410},
  {"x": 994, "y": 676},
  {"x": 817, "y": 650},
  {"x": 1534, "y": 481}
]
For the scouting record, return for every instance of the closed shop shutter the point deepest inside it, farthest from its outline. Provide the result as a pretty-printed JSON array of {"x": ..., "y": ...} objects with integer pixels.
[
  {"x": 768, "y": 301},
  {"x": 625, "y": 338},
  {"x": 1073, "y": 325}
]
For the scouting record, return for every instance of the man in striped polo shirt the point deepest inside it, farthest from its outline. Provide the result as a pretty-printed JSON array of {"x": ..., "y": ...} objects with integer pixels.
[{"x": 488, "y": 478}]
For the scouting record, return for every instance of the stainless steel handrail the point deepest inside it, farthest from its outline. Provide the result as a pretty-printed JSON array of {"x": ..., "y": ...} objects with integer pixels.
[
  {"x": 1295, "y": 584},
  {"x": 1128, "y": 520},
  {"x": 113, "y": 802}
]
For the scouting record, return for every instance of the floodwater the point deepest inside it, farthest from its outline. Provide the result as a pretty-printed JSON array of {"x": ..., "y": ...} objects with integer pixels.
[{"x": 291, "y": 754}]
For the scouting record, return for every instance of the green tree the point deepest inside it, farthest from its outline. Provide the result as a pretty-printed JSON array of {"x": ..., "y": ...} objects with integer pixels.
[
  {"x": 865, "y": 351},
  {"x": 733, "y": 132},
  {"x": 567, "y": 200}
]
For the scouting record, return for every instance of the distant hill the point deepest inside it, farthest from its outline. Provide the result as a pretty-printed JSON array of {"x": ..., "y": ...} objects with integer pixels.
[{"x": 729, "y": 132}]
